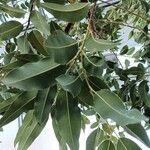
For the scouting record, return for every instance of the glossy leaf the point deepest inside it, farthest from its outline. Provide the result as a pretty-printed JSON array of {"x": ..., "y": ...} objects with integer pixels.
[
  {"x": 36, "y": 75},
  {"x": 138, "y": 131},
  {"x": 61, "y": 46},
  {"x": 70, "y": 13},
  {"x": 68, "y": 119},
  {"x": 126, "y": 144},
  {"x": 17, "y": 107},
  {"x": 70, "y": 83},
  {"x": 107, "y": 145},
  {"x": 10, "y": 29},
  {"x": 107, "y": 100}
]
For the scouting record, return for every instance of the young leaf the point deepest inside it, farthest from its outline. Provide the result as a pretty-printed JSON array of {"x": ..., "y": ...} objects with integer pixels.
[
  {"x": 36, "y": 75},
  {"x": 40, "y": 22},
  {"x": 126, "y": 144},
  {"x": 10, "y": 29},
  {"x": 70, "y": 13},
  {"x": 61, "y": 46},
  {"x": 107, "y": 100},
  {"x": 107, "y": 145},
  {"x": 68, "y": 119}
]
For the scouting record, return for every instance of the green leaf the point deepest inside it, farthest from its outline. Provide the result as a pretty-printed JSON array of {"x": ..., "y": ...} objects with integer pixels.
[
  {"x": 126, "y": 144},
  {"x": 37, "y": 41},
  {"x": 70, "y": 83},
  {"x": 107, "y": 100},
  {"x": 12, "y": 11},
  {"x": 61, "y": 46},
  {"x": 94, "y": 45},
  {"x": 94, "y": 139},
  {"x": 23, "y": 45},
  {"x": 36, "y": 75},
  {"x": 43, "y": 104},
  {"x": 70, "y": 13},
  {"x": 143, "y": 91},
  {"x": 107, "y": 145},
  {"x": 124, "y": 50},
  {"x": 68, "y": 119},
  {"x": 17, "y": 107},
  {"x": 54, "y": 27},
  {"x": 54, "y": 1},
  {"x": 40, "y": 22},
  {"x": 29, "y": 132},
  {"x": 138, "y": 131},
  {"x": 10, "y": 29}
]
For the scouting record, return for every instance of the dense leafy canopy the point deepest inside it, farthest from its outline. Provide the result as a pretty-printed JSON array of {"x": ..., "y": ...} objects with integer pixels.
[{"x": 57, "y": 62}]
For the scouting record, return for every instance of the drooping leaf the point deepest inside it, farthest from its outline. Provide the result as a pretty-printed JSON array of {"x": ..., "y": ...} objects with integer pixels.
[
  {"x": 94, "y": 139},
  {"x": 70, "y": 83},
  {"x": 107, "y": 144},
  {"x": 68, "y": 119},
  {"x": 43, "y": 104},
  {"x": 138, "y": 131},
  {"x": 29, "y": 132},
  {"x": 17, "y": 107},
  {"x": 10, "y": 29},
  {"x": 95, "y": 45},
  {"x": 107, "y": 100},
  {"x": 37, "y": 41},
  {"x": 143, "y": 91},
  {"x": 70, "y": 13},
  {"x": 127, "y": 144},
  {"x": 61, "y": 46},
  {"x": 12, "y": 11},
  {"x": 36, "y": 75},
  {"x": 40, "y": 22}
]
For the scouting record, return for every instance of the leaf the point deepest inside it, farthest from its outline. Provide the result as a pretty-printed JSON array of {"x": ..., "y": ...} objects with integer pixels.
[
  {"x": 40, "y": 22},
  {"x": 54, "y": 1},
  {"x": 17, "y": 107},
  {"x": 10, "y": 29},
  {"x": 69, "y": 119},
  {"x": 126, "y": 144},
  {"x": 94, "y": 139},
  {"x": 54, "y": 27},
  {"x": 43, "y": 104},
  {"x": 94, "y": 45},
  {"x": 12, "y": 11},
  {"x": 36, "y": 75},
  {"x": 107, "y": 145},
  {"x": 23, "y": 45},
  {"x": 124, "y": 50},
  {"x": 37, "y": 41},
  {"x": 30, "y": 131},
  {"x": 138, "y": 131},
  {"x": 61, "y": 46},
  {"x": 143, "y": 91},
  {"x": 107, "y": 100},
  {"x": 70, "y": 13},
  {"x": 70, "y": 83}
]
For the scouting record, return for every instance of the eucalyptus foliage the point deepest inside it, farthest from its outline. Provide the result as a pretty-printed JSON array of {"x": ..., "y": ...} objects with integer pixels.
[{"x": 55, "y": 65}]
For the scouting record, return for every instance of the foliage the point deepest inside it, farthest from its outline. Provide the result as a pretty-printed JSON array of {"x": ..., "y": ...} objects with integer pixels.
[{"x": 55, "y": 64}]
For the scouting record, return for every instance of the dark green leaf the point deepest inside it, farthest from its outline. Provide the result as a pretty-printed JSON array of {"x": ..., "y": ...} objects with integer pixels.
[{"x": 107, "y": 145}]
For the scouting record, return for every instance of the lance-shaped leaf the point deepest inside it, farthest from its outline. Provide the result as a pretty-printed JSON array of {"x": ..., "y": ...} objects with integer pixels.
[
  {"x": 69, "y": 119},
  {"x": 29, "y": 131},
  {"x": 54, "y": 1},
  {"x": 17, "y": 107},
  {"x": 143, "y": 91},
  {"x": 10, "y": 30},
  {"x": 36, "y": 75},
  {"x": 37, "y": 41},
  {"x": 94, "y": 45},
  {"x": 138, "y": 131},
  {"x": 127, "y": 144},
  {"x": 12, "y": 11},
  {"x": 40, "y": 22},
  {"x": 94, "y": 139},
  {"x": 107, "y": 145},
  {"x": 70, "y": 83},
  {"x": 109, "y": 105},
  {"x": 61, "y": 46},
  {"x": 43, "y": 104},
  {"x": 70, "y": 13},
  {"x": 23, "y": 45}
]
